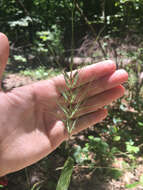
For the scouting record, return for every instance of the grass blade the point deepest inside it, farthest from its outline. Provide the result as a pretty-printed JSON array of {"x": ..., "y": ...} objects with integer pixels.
[
  {"x": 73, "y": 126},
  {"x": 64, "y": 110},
  {"x": 75, "y": 79},
  {"x": 65, "y": 177},
  {"x": 66, "y": 96},
  {"x": 67, "y": 79}
]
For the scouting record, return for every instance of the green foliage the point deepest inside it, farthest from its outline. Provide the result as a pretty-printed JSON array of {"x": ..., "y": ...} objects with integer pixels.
[
  {"x": 41, "y": 73},
  {"x": 50, "y": 41},
  {"x": 135, "y": 184},
  {"x": 64, "y": 180},
  {"x": 23, "y": 22},
  {"x": 100, "y": 150},
  {"x": 19, "y": 58},
  {"x": 39, "y": 16},
  {"x": 132, "y": 150},
  {"x": 81, "y": 155},
  {"x": 115, "y": 173}
]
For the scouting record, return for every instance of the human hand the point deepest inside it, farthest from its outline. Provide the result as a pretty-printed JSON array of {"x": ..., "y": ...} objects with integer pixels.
[{"x": 31, "y": 121}]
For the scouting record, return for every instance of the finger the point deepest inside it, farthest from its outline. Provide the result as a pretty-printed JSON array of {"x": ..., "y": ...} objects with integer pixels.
[
  {"x": 57, "y": 84},
  {"x": 88, "y": 74},
  {"x": 99, "y": 86},
  {"x": 105, "y": 83},
  {"x": 4, "y": 53},
  {"x": 89, "y": 120},
  {"x": 105, "y": 98}
]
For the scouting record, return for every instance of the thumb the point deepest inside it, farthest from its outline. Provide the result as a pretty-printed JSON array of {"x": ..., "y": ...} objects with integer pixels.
[{"x": 4, "y": 53}]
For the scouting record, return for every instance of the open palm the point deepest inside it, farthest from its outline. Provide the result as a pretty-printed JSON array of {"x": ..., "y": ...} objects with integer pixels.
[{"x": 30, "y": 118}]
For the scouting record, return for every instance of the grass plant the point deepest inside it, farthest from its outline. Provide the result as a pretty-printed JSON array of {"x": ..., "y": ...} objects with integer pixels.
[
  {"x": 74, "y": 102},
  {"x": 70, "y": 96}
]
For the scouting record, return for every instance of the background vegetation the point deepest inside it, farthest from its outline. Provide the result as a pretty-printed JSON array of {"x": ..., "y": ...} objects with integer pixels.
[{"x": 40, "y": 34}]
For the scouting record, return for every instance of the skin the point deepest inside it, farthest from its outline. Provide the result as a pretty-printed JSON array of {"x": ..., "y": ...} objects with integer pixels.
[{"x": 31, "y": 124}]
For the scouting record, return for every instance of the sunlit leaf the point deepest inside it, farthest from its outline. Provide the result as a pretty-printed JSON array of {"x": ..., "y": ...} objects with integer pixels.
[
  {"x": 116, "y": 138},
  {"x": 140, "y": 124}
]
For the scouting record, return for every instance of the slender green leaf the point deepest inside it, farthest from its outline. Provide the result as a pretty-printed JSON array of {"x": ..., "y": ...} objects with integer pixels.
[
  {"x": 75, "y": 110},
  {"x": 66, "y": 174},
  {"x": 69, "y": 125},
  {"x": 67, "y": 79},
  {"x": 66, "y": 95},
  {"x": 73, "y": 98},
  {"x": 73, "y": 125},
  {"x": 64, "y": 110},
  {"x": 75, "y": 79}
]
